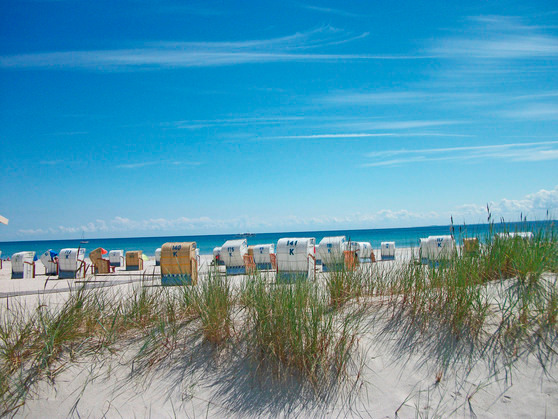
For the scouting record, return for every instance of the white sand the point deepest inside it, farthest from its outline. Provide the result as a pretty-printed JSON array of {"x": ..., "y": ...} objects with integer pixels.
[{"x": 398, "y": 374}]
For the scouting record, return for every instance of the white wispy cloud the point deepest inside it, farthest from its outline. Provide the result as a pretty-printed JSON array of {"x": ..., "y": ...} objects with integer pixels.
[
  {"x": 228, "y": 122},
  {"x": 139, "y": 165},
  {"x": 397, "y": 97},
  {"x": 501, "y": 57},
  {"x": 533, "y": 111},
  {"x": 169, "y": 55},
  {"x": 396, "y": 125},
  {"x": 499, "y": 37},
  {"x": 368, "y": 135},
  {"x": 330, "y": 10},
  {"x": 51, "y": 162},
  {"x": 515, "y": 152}
]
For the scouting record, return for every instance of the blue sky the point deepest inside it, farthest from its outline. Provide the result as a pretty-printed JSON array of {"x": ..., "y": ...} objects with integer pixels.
[{"x": 137, "y": 118}]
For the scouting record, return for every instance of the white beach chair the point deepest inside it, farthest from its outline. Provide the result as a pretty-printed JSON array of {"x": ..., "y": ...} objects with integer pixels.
[
  {"x": 23, "y": 265},
  {"x": 296, "y": 258}
]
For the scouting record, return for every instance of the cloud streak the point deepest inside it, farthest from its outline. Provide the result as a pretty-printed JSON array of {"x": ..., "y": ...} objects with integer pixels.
[
  {"x": 330, "y": 10},
  {"x": 367, "y": 135},
  {"x": 161, "y": 55},
  {"x": 139, "y": 165},
  {"x": 499, "y": 37},
  {"x": 534, "y": 111},
  {"x": 516, "y": 152}
]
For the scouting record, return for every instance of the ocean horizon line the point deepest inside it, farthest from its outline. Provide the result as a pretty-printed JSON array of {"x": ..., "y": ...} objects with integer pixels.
[{"x": 283, "y": 232}]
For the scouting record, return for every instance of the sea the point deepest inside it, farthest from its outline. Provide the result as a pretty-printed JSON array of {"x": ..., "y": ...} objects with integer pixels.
[{"x": 403, "y": 237}]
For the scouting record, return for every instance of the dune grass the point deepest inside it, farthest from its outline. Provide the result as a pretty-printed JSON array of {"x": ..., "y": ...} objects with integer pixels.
[
  {"x": 213, "y": 302},
  {"x": 294, "y": 324},
  {"x": 458, "y": 293}
]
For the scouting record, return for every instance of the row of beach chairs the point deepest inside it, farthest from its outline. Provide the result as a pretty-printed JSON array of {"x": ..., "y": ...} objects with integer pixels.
[
  {"x": 297, "y": 256},
  {"x": 291, "y": 257},
  {"x": 70, "y": 263}
]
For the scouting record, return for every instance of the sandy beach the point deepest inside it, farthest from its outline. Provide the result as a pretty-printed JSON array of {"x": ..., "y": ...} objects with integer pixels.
[{"x": 396, "y": 371}]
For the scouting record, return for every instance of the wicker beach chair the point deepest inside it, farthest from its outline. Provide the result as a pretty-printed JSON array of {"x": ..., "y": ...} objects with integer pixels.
[
  {"x": 100, "y": 265},
  {"x": 249, "y": 263}
]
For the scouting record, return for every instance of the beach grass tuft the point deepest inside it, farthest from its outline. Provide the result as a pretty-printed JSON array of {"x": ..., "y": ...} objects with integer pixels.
[{"x": 293, "y": 326}]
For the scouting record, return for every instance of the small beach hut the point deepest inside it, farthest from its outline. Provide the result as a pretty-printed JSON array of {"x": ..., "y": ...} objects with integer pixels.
[
  {"x": 388, "y": 250},
  {"x": 158, "y": 257},
  {"x": 295, "y": 258},
  {"x": 134, "y": 260},
  {"x": 116, "y": 258},
  {"x": 232, "y": 254},
  {"x": 50, "y": 261},
  {"x": 71, "y": 263},
  {"x": 331, "y": 253},
  {"x": 263, "y": 255},
  {"x": 23, "y": 265},
  {"x": 364, "y": 252},
  {"x": 179, "y": 265}
]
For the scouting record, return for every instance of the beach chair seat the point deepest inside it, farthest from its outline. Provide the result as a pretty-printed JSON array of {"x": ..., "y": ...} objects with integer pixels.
[
  {"x": 49, "y": 259},
  {"x": 71, "y": 263},
  {"x": 387, "y": 251},
  {"x": 249, "y": 264},
  {"x": 331, "y": 253},
  {"x": 295, "y": 259},
  {"x": 23, "y": 265},
  {"x": 134, "y": 260},
  {"x": 232, "y": 253},
  {"x": 100, "y": 265},
  {"x": 116, "y": 258},
  {"x": 179, "y": 265},
  {"x": 351, "y": 260}
]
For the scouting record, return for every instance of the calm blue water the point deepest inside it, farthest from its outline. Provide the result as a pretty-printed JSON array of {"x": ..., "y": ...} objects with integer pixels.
[{"x": 403, "y": 237}]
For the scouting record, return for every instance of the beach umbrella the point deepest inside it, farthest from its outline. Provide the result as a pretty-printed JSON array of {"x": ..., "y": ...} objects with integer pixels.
[
  {"x": 53, "y": 254},
  {"x": 144, "y": 257},
  {"x": 103, "y": 251}
]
